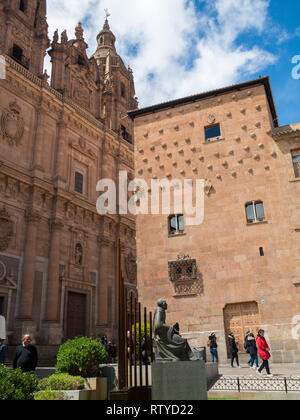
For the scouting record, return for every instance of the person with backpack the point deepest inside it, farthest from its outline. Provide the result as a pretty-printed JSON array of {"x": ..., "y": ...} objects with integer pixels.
[
  {"x": 246, "y": 345},
  {"x": 252, "y": 350},
  {"x": 234, "y": 350},
  {"x": 213, "y": 346},
  {"x": 264, "y": 352}
]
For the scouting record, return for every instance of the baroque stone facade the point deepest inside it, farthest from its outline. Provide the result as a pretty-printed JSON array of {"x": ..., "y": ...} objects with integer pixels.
[
  {"x": 239, "y": 269},
  {"x": 57, "y": 254}
]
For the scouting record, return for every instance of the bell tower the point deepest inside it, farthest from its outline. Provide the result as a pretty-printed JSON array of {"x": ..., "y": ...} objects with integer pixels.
[{"x": 24, "y": 32}]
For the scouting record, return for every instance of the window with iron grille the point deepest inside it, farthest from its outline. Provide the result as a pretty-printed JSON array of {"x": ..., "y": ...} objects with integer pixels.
[
  {"x": 176, "y": 225},
  {"x": 296, "y": 162},
  {"x": 185, "y": 276},
  {"x": 255, "y": 212},
  {"x": 78, "y": 182}
]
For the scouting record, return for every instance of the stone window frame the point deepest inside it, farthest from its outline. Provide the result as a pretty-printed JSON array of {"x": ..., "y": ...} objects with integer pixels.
[
  {"x": 176, "y": 232},
  {"x": 256, "y": 219},
  {"x": 215, "y": 138},
  {"x": 296, "y": 164}
]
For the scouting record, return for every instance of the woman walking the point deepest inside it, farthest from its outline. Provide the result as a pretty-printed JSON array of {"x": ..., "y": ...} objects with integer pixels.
[
  {"x": 252, "y": 350},
  {"x": 234, "y": 350},
  {"x": 264, "y": 352}
]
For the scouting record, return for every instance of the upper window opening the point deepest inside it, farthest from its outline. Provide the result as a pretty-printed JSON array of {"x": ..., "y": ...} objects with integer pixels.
[
  {"x": 123, "y": 91},
  {"x": 80, "y": 60},
  {"x": 212, "y": 132},
  {"x": 23, "y": 6},
  {"x": 255, "y": 212},
  {"x": 78, "y": 182},
  {"x": 17, "y": 53},
  {"x": 296, "y": 162},
  {"x": 176, "y": 225}
]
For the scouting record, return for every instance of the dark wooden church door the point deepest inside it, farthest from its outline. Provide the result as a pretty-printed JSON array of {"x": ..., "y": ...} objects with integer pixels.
[{"x": 76, "y": 315}]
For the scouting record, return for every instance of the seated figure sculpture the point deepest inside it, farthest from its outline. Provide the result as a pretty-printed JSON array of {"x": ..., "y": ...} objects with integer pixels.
[{"x": 168, "y": 343}]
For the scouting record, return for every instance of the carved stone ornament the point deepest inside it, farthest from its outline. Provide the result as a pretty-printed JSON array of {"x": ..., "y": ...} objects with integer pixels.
[
  {"x": 130, "y": 268},
  {"x": 211, "y": 119},
  {"x": 208, "y": 187},
  {"x": 6, "y": 230},
  {"x": 12, "y": 124}
]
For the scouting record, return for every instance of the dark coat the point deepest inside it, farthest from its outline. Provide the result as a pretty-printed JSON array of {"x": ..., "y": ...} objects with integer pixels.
[
  {"x": 251, "y": 346},
  {"x": 233, "y": 347},
  {"x": 26, "y": 358},
  {"x": 2, "y": 353}
]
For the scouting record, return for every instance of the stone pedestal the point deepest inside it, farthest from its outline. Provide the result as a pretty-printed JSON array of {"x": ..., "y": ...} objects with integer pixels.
[{"x": 179, "y": 381}]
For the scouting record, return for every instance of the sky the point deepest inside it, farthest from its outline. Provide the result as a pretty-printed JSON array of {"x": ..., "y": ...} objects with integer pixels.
[{"x": 178, "y": 48}]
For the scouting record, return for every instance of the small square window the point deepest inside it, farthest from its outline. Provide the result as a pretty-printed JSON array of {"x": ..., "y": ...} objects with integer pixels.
[
  {"x": 78, "y": 183},
  {"x": 255, "y": 212},
  {"x": 176, "y": 225},
  {"x": 212, "y": 132}
]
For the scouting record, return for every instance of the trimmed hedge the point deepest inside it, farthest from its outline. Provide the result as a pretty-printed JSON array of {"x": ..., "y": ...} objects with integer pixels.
[
  {"x": 50, "y": 396},
  {"x": 81, "y": 357},
  {"x": 16, "y": 385},
  {"x": 62, "y": 382}
]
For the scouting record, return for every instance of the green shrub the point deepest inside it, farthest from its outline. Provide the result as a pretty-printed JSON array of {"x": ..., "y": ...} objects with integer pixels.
[
  {"x": 15, "y": 385},
  {"x": 81, "y": 357},
  {"x": 50, "y": 396},
  {"x": 62, "y": 382},
  {"x": 138, "y": 334}
]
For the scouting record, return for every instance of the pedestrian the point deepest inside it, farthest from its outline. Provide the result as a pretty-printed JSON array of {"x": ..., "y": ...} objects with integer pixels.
[
  {"x": 264, "y": 352},
  {"x": 104, "y": 341},
  {"x": 234, "y": 350},
  {"x": 114, "y": 353},
  {"x": 146, "y": 351},
  {"x": 213, "y": 346},
  {"x": 26, "y": 356},
  {"x": 252, "y": 350},
  {"x": 109, "y": 351},
  {"x": 3, "y": 349},
  {"x": 130, "y": 347},
  {"x": 246, "y": 345}
]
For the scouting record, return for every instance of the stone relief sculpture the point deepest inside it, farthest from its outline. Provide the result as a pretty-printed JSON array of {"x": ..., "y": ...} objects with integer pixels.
[{"x": 169, "y": 346}]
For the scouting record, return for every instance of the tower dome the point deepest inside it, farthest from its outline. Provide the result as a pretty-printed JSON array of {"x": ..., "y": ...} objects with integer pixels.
[{"x": 106, "y": 42}]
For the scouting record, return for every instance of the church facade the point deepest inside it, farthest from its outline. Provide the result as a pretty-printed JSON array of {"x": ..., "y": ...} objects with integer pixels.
[
  {"x": 57, "y": 139},
  {"x": 237, "y": 270}
]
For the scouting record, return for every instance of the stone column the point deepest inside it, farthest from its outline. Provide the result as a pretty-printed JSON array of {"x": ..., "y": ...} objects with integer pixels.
[
  {"x": 52, "y": 303},
  {"x": 39, "y": 140},
  {"x": 60, "y": 167},
  {"x": 27, "y": 287}
]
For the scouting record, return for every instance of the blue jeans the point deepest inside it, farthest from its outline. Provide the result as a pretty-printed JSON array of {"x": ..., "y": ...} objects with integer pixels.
[
  {"x": 254, "y": 358},
  {"x": 214, "y": 355}
]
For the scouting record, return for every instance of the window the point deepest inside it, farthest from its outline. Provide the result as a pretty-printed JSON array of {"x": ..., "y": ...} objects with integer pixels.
[
  {"x": 123, "y": 91},
  {"x": 17, "y": 53},
  {"x": 78, "y": 182},
  {"x": 23, "y": 6},
  {"x": 296, "y": 162},
  {"x": 124, "y": 133},
  {"x": 176, "y": 225},
  {"x": 80, "y": 60},
  {"x": 212, "y": 132},
  {"x": 255, "y": 212}
]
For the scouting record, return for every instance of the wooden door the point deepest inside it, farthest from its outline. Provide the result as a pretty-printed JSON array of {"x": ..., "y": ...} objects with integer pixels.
[
  {"x": 240, "y": 318},
  {"x": 76, "y": 315}
]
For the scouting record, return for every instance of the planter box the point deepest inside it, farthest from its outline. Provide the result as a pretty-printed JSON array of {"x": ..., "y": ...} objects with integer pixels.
[
  {"x": 82, "y": 395},
  {"x": 98, "y": 386}
]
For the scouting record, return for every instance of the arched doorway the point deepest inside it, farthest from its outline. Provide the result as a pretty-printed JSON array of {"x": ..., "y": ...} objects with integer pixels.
[{"x": 240, "y": 318}]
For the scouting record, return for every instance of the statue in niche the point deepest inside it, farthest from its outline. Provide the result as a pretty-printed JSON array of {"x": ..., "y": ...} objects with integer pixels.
[
  {"x": 168, "y": 344},
  {"x": 78, "y": 254}
]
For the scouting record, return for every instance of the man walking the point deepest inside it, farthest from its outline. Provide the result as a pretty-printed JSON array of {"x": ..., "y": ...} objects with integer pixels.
[
  {"x": 2, "y": 351},
  {"x": 26, "y": 356}
]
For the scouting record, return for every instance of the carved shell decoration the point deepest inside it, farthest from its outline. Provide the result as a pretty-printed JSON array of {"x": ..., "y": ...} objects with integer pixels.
[
  {"x": 12, "y": 124},
  {"x": 211, "y": 119}
]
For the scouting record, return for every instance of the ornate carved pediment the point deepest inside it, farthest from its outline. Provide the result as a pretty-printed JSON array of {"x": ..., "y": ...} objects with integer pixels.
[
  {"x": 6, "y": 230},
  {"x": 12, "y": 124}
]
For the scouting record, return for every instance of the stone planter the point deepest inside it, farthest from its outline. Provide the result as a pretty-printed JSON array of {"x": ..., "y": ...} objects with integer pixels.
[
  {"x": 99, "y": 388},
  {"x": 82, "y": 395}
]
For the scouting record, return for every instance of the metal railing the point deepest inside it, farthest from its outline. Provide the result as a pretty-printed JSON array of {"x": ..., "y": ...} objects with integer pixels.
[{"x": 285, "y": 385}]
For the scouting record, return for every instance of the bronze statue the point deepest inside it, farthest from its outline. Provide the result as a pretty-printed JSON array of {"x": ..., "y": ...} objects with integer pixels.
[{"x": 168, "y": 343}]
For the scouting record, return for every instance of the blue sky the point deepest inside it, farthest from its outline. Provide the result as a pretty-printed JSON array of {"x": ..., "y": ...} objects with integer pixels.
[{"x": 181, "y": 47}]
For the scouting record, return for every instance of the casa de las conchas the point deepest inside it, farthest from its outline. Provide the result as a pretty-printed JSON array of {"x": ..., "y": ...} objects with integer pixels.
[
  {"x": 61, "y": 133},
  {"x": 58, "y": 138}
]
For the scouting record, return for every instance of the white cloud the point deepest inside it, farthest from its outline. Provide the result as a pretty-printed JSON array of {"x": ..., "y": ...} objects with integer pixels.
[{"x": 183, "y": 50}]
